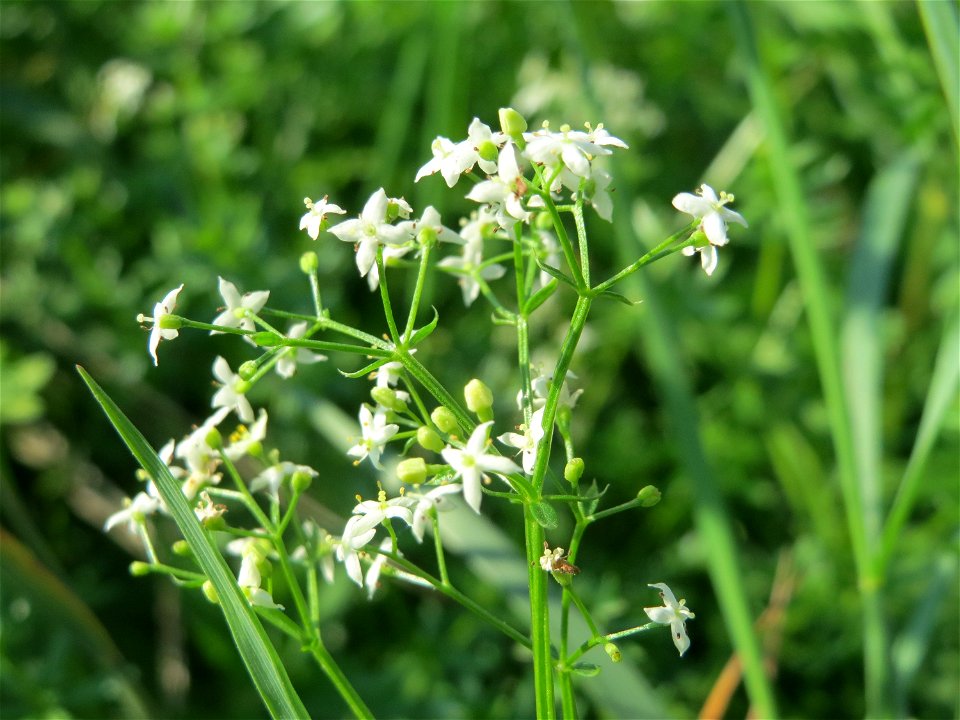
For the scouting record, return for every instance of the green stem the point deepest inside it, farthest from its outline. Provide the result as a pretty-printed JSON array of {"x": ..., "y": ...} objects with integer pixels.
[
  {"x": 649, "y": 257},
  {"x": 385, "y": 297},
  {"x": 539, "y": 617},
  {"x": 418, "y": 291},
  {"x": 340, "y": 682}
]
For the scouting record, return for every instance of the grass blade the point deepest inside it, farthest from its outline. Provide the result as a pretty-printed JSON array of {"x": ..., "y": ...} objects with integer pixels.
[{"x": 258, "y": 654}]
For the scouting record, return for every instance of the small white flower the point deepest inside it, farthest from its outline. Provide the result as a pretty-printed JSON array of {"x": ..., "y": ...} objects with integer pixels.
[
  {"x": 574, "y": 149},
  {"x": 243, "y": 438},
  {"x": 434, "y": 499},
  {"x": 555, "y": 561},
  {"x": 713, "y": 216},
  {"x": 376, "y": 433},
  {"x": 371, "y": 230},
  {"x": 207, "y": 509},
  {"x": 448, "y": 159},
  {"x": 231, "y": 393},
  {"x": 272, "y": 478},
  {"x": 134, "y": 512},
  {"x": 471, "y": 464},
  {"x": 540, "y": 387},
  {"x": 287, "y": 364},
  {"x": 316, "y": 215},
  {"x": 504, "y": 190},
  {"x": 249, "y": 578},
  {"x": 479, "y": 135},
  {"x": 157, "y": 333},
  {"x": 673, "y": 613},
  {"x": 201, "y": 460},
  {"x": 528, "y": 441},
  {"x": 388, "y": 374},
  {"x": 362, "y": 526},
  {"x": 470, "y": 269},
  {"x": 431, "y": 219},
  {"x": 239, "y": 307}
]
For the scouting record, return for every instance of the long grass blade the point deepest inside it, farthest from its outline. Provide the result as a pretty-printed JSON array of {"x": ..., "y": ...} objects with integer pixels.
[{"x": 258, "y": 654}]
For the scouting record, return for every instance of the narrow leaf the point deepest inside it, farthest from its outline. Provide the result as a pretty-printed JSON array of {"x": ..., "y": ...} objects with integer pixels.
[
  {"x": 426, "y": 331},
  {"x": 550, "y": 270},
  {"x": 545, "y": 515},
  {"x": 258, "y": 654}
]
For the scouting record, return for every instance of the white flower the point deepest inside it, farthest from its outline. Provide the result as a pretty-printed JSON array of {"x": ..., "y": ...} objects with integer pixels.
[
  {"x": 200, "y": 458},
  {"x": 272, "y": 478},
  {"x": 287, "y": 364},
  {"x": 239, "y": 307},
  {"x": 555, "y": 561},
  {"x": 316, "y": 214},
  {"x": 504, "y": 190},
  {"x": 673, "y": 613},
  {"x": 478, "y": 136},
  {"x": 431, "y": 219},
  {"x": 471, "y": 464},
  {"x": 376, "y": 434},
  {"x": 231, "y": 394},
  {"x": 528, "y": 441},
  {"x": 133, "y": 513},
  {"x": 469, "y": 266},
  {"x": 388, "y": 374},
  {"x": 575, "y": 149},
  {"x": 243, "y": 438},
  {"x": 160, "y": 311},
  {"x": 435, "y": 498},
  {"x": 371, "y": 230},
  {"x": 448, "y": 159},
  {"x": 207, "y": 509},
  {"x": 249, "y": 578},
  {"x": 713, "y": 221},
  {"x": 362, "y": 526},
  {"x": 540, "y": 386}
]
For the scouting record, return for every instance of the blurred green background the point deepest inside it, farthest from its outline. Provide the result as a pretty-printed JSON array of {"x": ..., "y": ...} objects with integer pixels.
[{"x": 149, "y": 144}]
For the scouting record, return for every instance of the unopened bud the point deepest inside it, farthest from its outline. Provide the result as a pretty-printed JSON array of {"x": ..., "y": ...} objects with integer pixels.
[
  {"x": 301, "y": 480},
  {"x": 429, "y": 440},
  {"x": 488, "y": 150},
  {"x": 412, "y": 471},
  {"x": 181, "y": 548},
  {"x": 309, "y": 262},
  {"x": 511, "y": 122},
  {"x": 479, "y": 399},
  {"x": 265, "y": 338},
  {"x": 613, "y": 651},
  {"x": 387, "y": 397},
  {"x": 210, "y": 592},
  {"x": 648, "y": 496},
  {"x": 573, "y": 470},
  {"x": 444, "y": 419},
  {"x": 139, "y": 568}
]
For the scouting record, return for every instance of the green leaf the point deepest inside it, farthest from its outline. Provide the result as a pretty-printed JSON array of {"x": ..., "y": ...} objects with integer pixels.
[
  {"x": 426, "y": 331},
  {"x": 545, "y": 515},
  {"x": 585, "y": 669},
  {"x": 366, "y": 370},
  {"x": 591, "y": 499},
  {"x": 258, "y": 654},
  {"x": 619, "y": 297},
  {"x": 540, "y": 296},
  {"x": 549, "y": 269}
]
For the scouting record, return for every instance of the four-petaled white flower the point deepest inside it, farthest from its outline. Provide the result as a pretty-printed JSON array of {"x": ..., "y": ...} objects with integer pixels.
[
  {"x": 528, "y": 441},
  {"x": 371, "y": 230},
  {"x": 239, "y": 307},
  {"x": 376, "y": 433},
  {"x": 471, "y": 464},
  {"x": 434, "y": 499},
  {"x": 504, "y": 190},
  {"x": 540, "y": 386},
  {"x": 713, "y": 216},
  {"x": 244, "y": 438},
  {"x": 287, "y": 364},
  {"x": 449, "y": 159},
  {"x": 134, "y": 512},
  {"x": 672, "y": 613},
  {"x": 471, "y": 270},
  {"x": 231, "y": 393},
  {"x": 574, "y": 149},
  {"x": 316, "y": 215},
  {"x": 157, "y": 332},
  {"x": 362, "y": 526}
]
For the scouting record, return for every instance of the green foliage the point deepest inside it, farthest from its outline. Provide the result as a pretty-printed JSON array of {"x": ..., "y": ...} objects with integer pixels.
[{"x": 173, "y": 142}]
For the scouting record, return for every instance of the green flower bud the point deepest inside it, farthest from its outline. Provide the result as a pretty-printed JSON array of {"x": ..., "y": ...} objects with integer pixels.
[
  {"x": 210, "y": 592},
  {"x": 573, "y": 470},
  {"x": 429, "y": 440},
  {"x": 479, "y": 399},
  {"x": 309, "y": 262},
  {"x": 412, "y": 470},
  {"x": 247, "y": 369},
  {"x": 512, "y": 122},
  {"x": 181, "y": 548},
  {"x": 139, "y": 569},
  {"x": 387, "y": 397},
  {"x": 613, "y": 651},
  {"x": 444, "y": 419},
  {"x": 488, "y": 150},
  {"x": 301, "y": 481},
  {"x": 243, "y": 386},
  {"x": 648, "y": 496}
]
